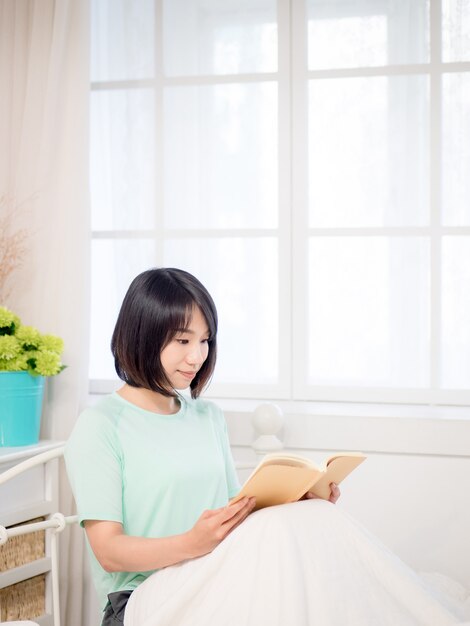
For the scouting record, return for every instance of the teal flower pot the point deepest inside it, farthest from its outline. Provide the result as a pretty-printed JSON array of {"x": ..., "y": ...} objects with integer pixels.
[{"x": 20, "y": 408}]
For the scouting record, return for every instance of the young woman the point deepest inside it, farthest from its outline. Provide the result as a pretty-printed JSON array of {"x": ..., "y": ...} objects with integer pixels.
[{"x": 152, "y": 476}]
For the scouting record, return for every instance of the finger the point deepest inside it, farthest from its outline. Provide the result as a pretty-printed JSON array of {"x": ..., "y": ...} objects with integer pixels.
[
  {"x": 335, "y": 492},
  {"x": 211, "y": 512},
  {"x": 240, "y": 516},
  {"x": 311, "y": 496},
  {"x": 221, "y": 510},
  {"x": 231, "y": 510}
]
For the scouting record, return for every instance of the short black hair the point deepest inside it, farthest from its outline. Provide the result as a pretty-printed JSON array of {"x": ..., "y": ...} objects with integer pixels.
[{"x": 158, "y": 303}]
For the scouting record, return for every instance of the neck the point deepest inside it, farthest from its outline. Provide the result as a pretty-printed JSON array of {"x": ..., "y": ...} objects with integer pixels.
[{"x": 150, "y": 400}]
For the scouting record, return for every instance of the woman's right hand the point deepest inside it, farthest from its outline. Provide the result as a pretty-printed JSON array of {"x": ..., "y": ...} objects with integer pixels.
[{"x": 215, "y": 524}]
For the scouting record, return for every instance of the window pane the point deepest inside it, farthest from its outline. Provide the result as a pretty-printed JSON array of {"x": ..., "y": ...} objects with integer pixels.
[
  {"x": 455, "y": 30},
  {"x": 122, "y": 165},
  {"x": 456, "y": 149},
  {"x": 221, "y": 156},
  {"x": 241, "y": 275},
  {"x": 219, "y": 36},
  {"x": 122, "y": 35},
  {"x": 455, "y": 372},
  {"x": 368, "y": 161},
  {"x": 369, "y": 311},
  {"x": 342, "y": 33},
  {"x": 114, "y": 264}
]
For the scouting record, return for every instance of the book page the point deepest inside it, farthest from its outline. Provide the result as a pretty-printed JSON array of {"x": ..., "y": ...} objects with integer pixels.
[
  {"x": 291, "y": 461},
  {"x": 282, "y": 459},
  {"x": 337, "y": 468},
  {"x": 278, "y": 484}
]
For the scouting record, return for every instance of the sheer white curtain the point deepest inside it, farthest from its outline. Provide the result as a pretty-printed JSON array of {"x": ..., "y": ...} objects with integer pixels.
[{"x": 44, "y": 91}]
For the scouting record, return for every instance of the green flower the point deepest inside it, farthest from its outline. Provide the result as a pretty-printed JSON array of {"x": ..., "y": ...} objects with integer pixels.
[
  {"x": 29, "y": 338},
  {"x": 8, "y": 321},
  {"x": 9, "y": 347},
  {"x": 23, "y": 348},
  {"x": 18, "y": 364},
  {"x": 47, "y": 363},
  {"x": 52, "y": 343},
  {"x": 5, "y": 365}
]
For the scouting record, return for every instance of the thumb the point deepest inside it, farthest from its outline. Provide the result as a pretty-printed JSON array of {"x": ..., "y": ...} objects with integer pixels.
[{"x": 310, "y": 495}]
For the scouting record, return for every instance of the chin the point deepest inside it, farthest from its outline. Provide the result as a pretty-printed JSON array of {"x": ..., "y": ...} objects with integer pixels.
[{"x": 181, "y": 387}]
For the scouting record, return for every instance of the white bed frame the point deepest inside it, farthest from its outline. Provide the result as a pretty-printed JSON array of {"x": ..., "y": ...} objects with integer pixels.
[{"x": 267, "y": 421}]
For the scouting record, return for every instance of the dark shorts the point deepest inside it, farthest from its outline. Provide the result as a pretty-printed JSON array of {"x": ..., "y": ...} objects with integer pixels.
[{"x": 114, "y": 610}]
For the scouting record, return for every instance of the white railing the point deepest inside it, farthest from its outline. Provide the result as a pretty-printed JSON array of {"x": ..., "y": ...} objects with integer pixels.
[
  {"x": 56, "y": 523},
  {"x": 267, "y": 421}
]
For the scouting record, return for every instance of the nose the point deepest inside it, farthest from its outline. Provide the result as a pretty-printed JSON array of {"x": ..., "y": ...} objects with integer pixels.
[{"x": 196, "y": 355}]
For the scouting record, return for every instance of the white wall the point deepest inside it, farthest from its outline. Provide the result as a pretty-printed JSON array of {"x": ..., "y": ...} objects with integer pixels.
[{"x": 413, "y": 492}]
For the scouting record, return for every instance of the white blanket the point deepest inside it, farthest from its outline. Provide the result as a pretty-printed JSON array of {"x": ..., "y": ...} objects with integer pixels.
[{"x": 302, "y": 564}]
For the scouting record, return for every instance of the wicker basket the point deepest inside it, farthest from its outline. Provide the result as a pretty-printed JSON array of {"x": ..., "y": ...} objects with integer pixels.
[
  {"x": 25, "y": 600},
  {"x": 22, "y": 549}
]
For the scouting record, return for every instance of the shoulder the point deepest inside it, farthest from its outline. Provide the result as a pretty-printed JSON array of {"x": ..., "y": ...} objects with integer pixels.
[
  {"x": 103, "y": 415},
  {"x": 205, "y": 409},
  {"x": 96, "y": 423},
  {"x": 201, "y": 405}
]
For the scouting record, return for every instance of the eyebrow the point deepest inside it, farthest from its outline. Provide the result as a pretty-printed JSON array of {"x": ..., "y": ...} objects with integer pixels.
[{"x": 189, "y": 331}]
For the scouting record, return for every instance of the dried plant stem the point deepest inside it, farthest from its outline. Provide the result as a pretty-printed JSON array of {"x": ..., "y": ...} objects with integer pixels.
[{"x": 12, "y": 245}]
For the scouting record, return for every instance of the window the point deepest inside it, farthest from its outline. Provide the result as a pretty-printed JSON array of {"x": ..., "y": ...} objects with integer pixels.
[{"x": 308, "y": 161}]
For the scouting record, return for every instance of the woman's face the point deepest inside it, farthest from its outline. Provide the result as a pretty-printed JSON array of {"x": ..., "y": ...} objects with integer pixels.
[{"x": 183, "y": 357}]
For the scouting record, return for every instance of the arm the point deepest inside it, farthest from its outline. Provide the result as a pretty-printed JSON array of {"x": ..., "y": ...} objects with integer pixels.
[{"x": 118, "y": 552}]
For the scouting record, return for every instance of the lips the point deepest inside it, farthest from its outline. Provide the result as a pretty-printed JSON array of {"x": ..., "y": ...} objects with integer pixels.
[{"x": 188, "y": 375}]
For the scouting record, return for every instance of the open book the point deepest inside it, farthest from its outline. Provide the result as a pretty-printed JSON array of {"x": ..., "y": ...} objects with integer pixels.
[{"x": 281, "y": 478}]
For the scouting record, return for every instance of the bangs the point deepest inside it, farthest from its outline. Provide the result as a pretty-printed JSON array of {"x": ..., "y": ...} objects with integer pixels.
[
  {"x": 179, "y": 321},
  {"x": 181, "y": 316}
]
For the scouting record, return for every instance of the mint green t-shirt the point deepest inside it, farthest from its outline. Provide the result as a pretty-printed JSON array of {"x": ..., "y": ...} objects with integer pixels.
[{"x": 155, "y": 474}]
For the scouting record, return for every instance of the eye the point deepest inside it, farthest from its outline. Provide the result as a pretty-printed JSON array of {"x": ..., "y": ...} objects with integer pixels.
[{"x": 182, "y": 342}]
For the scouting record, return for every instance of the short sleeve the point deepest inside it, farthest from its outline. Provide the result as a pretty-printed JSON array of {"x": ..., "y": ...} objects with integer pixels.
[{"x": 94, "y": 467}]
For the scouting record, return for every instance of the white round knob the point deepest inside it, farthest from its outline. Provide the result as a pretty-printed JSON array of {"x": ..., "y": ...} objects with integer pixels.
[{"x": 267, "y": 419}]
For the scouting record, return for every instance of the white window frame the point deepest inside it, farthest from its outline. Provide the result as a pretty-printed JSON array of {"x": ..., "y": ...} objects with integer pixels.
[
  {"x": 293, "y": 231},
  {"x": 435, "y": 69}
]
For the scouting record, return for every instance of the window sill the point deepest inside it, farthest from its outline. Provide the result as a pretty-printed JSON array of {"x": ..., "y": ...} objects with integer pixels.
[
  {"x": 349, "y": 409},
  {"x": 372, "y": 428}
]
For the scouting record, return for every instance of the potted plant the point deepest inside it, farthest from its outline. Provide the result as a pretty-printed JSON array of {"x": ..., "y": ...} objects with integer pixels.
[{"x": 26, "y": 358}]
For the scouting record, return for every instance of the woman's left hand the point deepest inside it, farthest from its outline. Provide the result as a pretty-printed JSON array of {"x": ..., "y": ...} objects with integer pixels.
[{"x": 334, "y": 495}]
